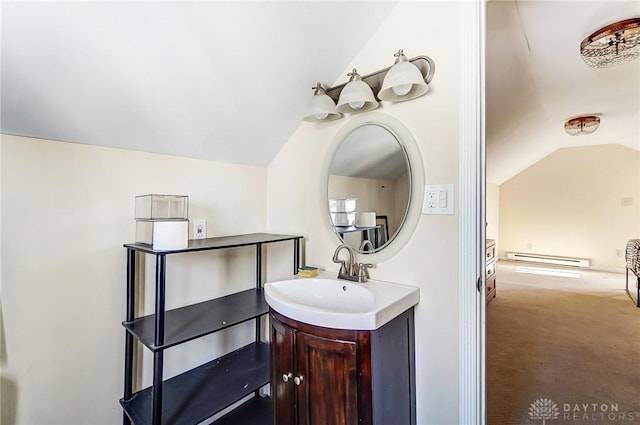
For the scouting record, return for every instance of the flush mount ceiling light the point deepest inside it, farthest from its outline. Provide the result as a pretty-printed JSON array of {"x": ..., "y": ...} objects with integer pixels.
[
  {"x": 582, "y": 125},
  {"x": 611, "y": 45},
  {"x": 404, "y": 81},
  {"x": 356, "y": 96},
  {"x": 407, "y": 79},
  {"x": 321, "y": 107}
]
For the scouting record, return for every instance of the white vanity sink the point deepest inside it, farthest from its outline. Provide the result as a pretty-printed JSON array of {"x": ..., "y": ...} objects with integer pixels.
[{"x": 340, "y": 304}]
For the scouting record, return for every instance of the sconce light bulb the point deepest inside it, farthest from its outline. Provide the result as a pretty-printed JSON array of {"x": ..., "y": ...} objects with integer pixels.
[
  {"x": 321, "y": 116},
  {"x": 402, "y": 89},
  {"x": 357, "y": 105}
]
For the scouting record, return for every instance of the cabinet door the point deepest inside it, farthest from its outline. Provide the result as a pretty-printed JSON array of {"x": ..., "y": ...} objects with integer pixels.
[
  {"x": 326, "y": 381},
  {"x": 282, "y": 386}
]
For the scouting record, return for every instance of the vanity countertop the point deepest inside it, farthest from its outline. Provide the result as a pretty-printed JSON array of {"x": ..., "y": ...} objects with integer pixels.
[{"x": 371, "y": 305}]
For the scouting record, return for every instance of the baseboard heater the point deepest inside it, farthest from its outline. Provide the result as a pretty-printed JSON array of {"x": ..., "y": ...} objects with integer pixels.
[{"x": 548, "y": 259}]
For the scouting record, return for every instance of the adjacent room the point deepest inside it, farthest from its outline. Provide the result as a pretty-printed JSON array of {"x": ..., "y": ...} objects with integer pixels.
[{"x": 562, "y": 205}]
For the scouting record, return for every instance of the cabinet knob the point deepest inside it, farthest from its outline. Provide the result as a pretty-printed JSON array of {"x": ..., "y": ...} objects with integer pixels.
[
  {"x": 286, "y": 376},
  {"x": 298, "y": 379}
]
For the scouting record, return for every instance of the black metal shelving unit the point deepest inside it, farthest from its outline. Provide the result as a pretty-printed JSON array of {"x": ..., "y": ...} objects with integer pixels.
[{"x": 199, "y": 393}]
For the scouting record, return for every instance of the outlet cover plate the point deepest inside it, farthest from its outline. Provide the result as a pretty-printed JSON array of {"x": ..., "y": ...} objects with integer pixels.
[
  {"x": 199, "y": 229},
  {"x": 438, "y": 199}
]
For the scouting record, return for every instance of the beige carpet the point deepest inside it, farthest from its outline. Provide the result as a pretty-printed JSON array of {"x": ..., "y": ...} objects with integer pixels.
[{"x": 568, "y": 347}]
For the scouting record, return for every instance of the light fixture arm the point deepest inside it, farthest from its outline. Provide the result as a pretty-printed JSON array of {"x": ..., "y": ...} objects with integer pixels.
[{"x": 425, "y": 64}]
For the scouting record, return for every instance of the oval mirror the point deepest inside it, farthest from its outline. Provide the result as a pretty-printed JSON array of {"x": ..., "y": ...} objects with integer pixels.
[{"x": 368, "y": 187}]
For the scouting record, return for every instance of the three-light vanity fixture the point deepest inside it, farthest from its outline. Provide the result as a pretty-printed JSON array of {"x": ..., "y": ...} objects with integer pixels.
[{"x": 406, "y": 79}]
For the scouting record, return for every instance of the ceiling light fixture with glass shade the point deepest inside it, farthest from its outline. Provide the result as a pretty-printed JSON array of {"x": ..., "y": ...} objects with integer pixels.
[
  {"x": 407, "y": 79},
  {"x": 613, "y": 44},
  {"x": 583, "y": 125}
]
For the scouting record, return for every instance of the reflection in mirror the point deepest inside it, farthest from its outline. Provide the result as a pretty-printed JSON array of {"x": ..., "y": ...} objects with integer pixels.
[{"x": 369, "y": 165}]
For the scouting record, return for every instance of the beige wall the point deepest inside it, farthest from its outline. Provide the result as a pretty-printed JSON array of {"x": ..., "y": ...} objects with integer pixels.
[
  {"x": 570, "y": 204},
  {"x": 66, "y": 211},
  {"x": 430, "y": 258}
]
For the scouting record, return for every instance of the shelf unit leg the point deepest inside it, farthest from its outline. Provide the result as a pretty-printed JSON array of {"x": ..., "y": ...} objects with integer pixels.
[
  {"x": 258, "y": 286},
  {"x": 158, "y": 356},
  {"x": 296, "y": 256},
  {"x": 128, "y": 342},
  {"x": 258, "y": 266},
  {"x": 156, "y": 394}
]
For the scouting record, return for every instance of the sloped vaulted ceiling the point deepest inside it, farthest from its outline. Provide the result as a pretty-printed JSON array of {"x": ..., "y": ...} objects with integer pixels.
[
  {"x": 228, "y": 81},
  {"x": 222, "y": 81},
  {"x": 536, "y": 80}
]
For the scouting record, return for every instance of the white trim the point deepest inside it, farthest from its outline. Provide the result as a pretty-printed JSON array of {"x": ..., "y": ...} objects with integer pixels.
[{"x": 472, "y": 391}]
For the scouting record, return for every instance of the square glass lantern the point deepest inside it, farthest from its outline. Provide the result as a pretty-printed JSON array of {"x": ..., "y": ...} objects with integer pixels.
[
  {"x": 162, "y": 207},
  {"x": 343, "y": 205},
  {"x": 343, "y": 218}
]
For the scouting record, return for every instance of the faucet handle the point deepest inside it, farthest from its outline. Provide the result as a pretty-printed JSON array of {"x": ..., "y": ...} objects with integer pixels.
[
  {"x": 343, "y": 267},
  {"x": 363, "y": 271}
]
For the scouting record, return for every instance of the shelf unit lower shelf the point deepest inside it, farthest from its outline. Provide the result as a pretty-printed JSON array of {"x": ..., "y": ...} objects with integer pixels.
[
  {"x": 186, "y": 323},
  {"x": 200, "y": 393},
  {"x": 256, "y": 411}
]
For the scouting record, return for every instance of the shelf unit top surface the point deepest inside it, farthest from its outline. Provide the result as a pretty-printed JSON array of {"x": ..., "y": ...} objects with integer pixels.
[{"x": 217, "y": 243}]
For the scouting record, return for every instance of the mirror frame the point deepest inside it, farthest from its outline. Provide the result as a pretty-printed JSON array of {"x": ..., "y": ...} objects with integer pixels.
[{"x": 416, "y": 181}]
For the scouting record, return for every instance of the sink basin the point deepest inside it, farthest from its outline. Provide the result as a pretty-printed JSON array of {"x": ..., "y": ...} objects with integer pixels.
[
  {"x": 324, "y": 294},
  {"x": 340, "y": 304}
]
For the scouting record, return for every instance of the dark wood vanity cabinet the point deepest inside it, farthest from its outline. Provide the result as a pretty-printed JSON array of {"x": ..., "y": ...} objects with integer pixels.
[{"x": 322, "y": 376}]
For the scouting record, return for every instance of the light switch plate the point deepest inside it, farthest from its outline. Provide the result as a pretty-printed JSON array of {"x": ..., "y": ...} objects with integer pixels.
[{"x": 438, "y": 199}]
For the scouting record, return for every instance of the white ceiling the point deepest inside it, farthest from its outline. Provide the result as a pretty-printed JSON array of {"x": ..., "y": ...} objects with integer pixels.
[
  {"x": 228, "y": 81},
  {"x": 536, "y": 80},
  {"x": 222, "y": 81}
]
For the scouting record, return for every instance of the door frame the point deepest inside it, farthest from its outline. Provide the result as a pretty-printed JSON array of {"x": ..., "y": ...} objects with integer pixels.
[{"x": 471, "y": 267}]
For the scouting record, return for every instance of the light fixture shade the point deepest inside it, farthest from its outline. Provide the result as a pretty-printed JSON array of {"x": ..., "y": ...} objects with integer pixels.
[
  {"x": 321, "y": 107},
  {"x": 403, "y": 81},
  {"x": 582, "y": 125},
  {"x": 356, "y": 96},
  {"x": 613, "y": 44}
]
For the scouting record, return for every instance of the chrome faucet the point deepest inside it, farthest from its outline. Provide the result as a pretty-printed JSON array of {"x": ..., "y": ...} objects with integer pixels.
[
  {"x": 345, "y": 269},
  {"x": 356, "y": 272}
]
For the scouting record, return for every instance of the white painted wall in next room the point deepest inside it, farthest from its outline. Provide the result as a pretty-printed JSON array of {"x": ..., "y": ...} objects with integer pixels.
[{"x": 579, "y": 202}]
